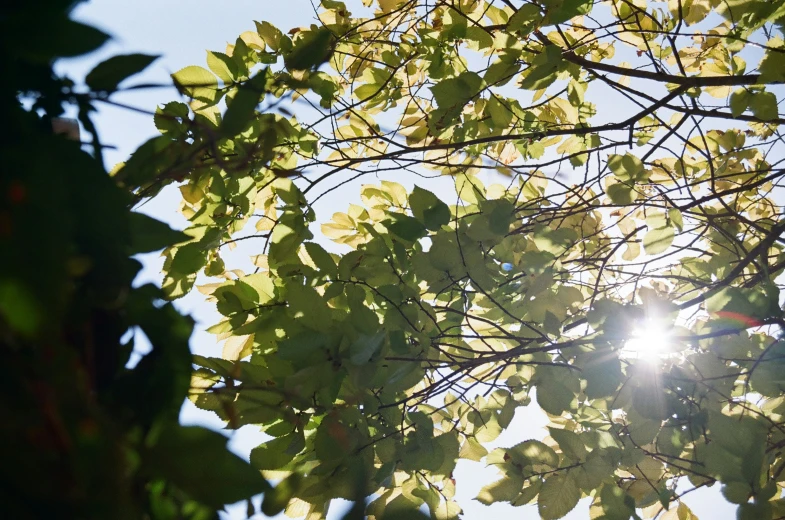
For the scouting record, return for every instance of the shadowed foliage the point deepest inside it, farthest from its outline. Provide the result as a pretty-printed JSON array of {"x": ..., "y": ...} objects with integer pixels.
[{"x": 83, "y": 436}]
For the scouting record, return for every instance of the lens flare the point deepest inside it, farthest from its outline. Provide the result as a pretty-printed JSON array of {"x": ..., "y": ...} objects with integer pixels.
[{"x": 649, "y": 341}]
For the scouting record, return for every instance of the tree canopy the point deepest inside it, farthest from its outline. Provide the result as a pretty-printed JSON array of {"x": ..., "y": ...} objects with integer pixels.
[{"x": 617, "y": 173}]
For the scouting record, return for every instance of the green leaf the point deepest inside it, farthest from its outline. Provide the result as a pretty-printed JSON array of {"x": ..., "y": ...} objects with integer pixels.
[
  {"x": 528, "y": 494},
  {"x": 740, "y": 435},
  {"x": 367, "y": 91},
  {"x": 621, "y": 194},
  {"x": 172, "y": 457},
  {"x": 448, "y": 510},
  {"x": 275, "y": 453},
  {"x": 594, "y": 471},
  {"x": 559, "y": 495},
  {"x": 479, "y": 37},
  {"x": 739, "y": 101},
  {"x": 616, "y": 503},
  {"x": 737, "y": 492},
  {"x": 553, "y": 241},
  {"x": 406, "y": 227},
  {"x": 473, "y": 450},
  {"x": 271, "y": 35},
  {"x": 642, "y": 430},
  {"x": 457, "y": 91},
  {"x": 543, "y": 69},
  {"x": 324, "y": 262},
  {"x": 334, "y": 440},
  {"x": 570, "y": 443},
  {"x": 649, "y": 403},
  {"x": 502, "y": 71},
  {"x": 305, "y": 304},
  {"x": 242, "y": 108},
  {"x": 365, "y": 347},
  {"x": 108, "y": 74},
  {"x": 500, "y": 216},
  {"x": 525, "y": 19},
  {"x": 603, "y": 375},
  {"x": 325, "y": 86},
  {"x": 533, "y": 453},
  {"x": 726, "y": 298},
  {"x": 559, "y": 11},
  {"x": 263, "y": 286},
  {"x": 428, "y": 209},
  {"x": 222, "y": 66},
  {"x": 505, "y": 490},
  {"x": 188, "y": 259},
  {"x": 764, "y": 105},
  {"x": 19, "y": 307},
  {"x": 488, "y": 429},
  {"x": 198, "y": 83},
  {"x": 500, "y": 114},
  {"x": 626, "y": 168},
  {"x": 149, "y": 234},
  {"x": 171, "y": 120},
  {"x": 312, "y": 49},
  {"x": 656, "y": 241},
  {"x": 576, "y": 91},
  {"x": 754, "y": 511},
  {"x": 553, "y": 396},
  {"x": 301, "y": 347},
  {"x": 148, "y": 161},
  {"x": 48, "y": 37},
  {"x": 772, "y": 66},
  {"x": 286, "y": 239},
  {"x": 676, "y": 218}
]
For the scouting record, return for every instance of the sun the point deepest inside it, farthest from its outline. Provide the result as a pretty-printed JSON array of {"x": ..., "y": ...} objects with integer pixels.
[{"x": 649, "y": 341}]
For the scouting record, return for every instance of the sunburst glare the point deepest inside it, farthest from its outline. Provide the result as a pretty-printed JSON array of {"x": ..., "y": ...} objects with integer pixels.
[{"x": 649, "y": 341}]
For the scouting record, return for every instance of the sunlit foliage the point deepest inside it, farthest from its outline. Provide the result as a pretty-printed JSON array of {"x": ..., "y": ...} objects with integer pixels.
[{"x": 617, "y": 166}]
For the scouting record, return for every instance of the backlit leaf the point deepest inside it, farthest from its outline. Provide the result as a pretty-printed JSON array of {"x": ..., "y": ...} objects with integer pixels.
[
  {"x": 658, "y": 240},
  {"x": 108, "y": 74},
  {"x": 558, "y": 496}
]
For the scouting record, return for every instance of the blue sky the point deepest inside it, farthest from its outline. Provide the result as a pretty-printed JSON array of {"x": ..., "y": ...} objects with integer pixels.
[{"x": 181, "y": 31}]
